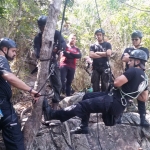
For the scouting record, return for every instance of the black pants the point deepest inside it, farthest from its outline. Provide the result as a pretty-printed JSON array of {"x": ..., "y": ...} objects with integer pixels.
[
  {"x": 92, "y": 103},
  {"x": 99, "y": 76},
  {"x": 67, "y": 76},
  {"x": 56, "y": 84},
  {"x": 11, "y": 128}
]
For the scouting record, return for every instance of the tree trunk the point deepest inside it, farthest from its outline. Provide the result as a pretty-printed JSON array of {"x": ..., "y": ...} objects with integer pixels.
[{"x": 33, "y": 123}]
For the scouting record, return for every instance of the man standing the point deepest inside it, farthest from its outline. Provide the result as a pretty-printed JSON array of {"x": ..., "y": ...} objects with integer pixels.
[
  {"x": 136, "y": 41},
  {"x": 100, "y": 52},
  {"x": 11, "y": 128},
  {"x": 68, "y": 64},
  {"x": 59, "y": 45},
  {"x": 132, "y": 83}
]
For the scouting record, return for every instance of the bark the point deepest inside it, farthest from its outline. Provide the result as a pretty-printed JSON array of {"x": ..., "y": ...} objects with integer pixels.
[{"x": 33, "y": 124}]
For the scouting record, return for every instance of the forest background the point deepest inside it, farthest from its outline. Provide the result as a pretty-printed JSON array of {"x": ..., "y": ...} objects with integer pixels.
[{"x": 119, "y": 18}]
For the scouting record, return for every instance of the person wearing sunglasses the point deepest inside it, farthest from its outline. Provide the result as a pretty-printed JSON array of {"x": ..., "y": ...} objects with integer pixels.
[{"x": 136, "y": 37}]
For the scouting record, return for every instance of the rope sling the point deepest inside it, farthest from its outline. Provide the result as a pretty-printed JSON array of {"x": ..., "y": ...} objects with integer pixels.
[{"x": 141, "y": 88}]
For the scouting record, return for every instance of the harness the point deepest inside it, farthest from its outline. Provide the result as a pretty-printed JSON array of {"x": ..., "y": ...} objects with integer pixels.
[{"x": 142, "y": 87}]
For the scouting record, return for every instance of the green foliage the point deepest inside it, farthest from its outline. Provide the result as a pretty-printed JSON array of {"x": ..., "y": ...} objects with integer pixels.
[{"x": 118, "y": 18}]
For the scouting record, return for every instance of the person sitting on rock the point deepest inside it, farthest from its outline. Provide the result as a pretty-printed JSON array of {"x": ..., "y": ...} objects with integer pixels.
[{"x": 132, "y": 83}]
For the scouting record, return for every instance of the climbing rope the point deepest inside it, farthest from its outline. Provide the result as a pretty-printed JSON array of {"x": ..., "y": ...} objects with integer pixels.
[
  {"x": 141, "y": 88},
  {"x": 98, "y": 13},
  {"x": 98, "y": 136}
]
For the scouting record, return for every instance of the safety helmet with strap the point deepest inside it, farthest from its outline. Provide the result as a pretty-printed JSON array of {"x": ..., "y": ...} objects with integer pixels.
[
  {"x": 9, "y": 43},
  {"x": 136, "y": 34},
  {"x": 138, "y": 54},
  {"x": 141, "y": 55},
  {"x": 100, "y": 31},
  {"x": 42, "y": 21}
]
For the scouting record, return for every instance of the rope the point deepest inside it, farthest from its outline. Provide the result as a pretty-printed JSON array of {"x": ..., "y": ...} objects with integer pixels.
[
  {"x": 63, "y": 16},
  {"x": 65, "y": 138},
  {"x": 134, "y": 7},
  {"x": 139, "y": 91},
  {"x": 98, "y": 134},
  {"x": 51, "y": 73},
  {"x": 98, "y": 13}
]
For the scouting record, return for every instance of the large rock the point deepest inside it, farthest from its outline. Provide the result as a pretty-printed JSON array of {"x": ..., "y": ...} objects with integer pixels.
[
  {"x": 118, "y": 137},
  {"x": 126, "y": 136}
]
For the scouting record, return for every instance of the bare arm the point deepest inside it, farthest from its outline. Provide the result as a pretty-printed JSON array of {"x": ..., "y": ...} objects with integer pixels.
[
  {"x": 105, "y": 54},
  {"x": 125, "y": 58},
  {"x": 119, "y": 81},
  {"x": 94, "y": 55},
  {"x": 143, "y": 96},
  {"x": 16, "y": 82}
]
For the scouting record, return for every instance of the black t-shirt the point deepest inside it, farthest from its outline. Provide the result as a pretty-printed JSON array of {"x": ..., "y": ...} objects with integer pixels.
[
  {"x": 129, "y": 50},
  {"x": 100, "y": 47},
  {"x": 38, "y": 43},
  {"x": 5, "y": 87},
  {"x": 135, "y": 78}
]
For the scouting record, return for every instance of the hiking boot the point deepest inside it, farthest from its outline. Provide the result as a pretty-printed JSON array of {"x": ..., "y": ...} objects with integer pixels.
[
  {"x": 47, "y": 111},
  {"x": 131, "y": 107},
  {"x": 80, "y": 130}
]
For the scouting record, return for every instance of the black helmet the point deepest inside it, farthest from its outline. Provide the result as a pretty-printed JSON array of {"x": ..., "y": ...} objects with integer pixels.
[
  {"x": 137, "y": 34},
  {"x": 100, "y": 30},
  {"x": 139, "y": 54},
  {"x": 6, "y": 42},
  {"x": 42, "y": 20}
]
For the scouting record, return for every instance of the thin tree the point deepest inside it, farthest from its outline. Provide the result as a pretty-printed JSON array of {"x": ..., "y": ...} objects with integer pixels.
[{"x": 34, "y": 121}]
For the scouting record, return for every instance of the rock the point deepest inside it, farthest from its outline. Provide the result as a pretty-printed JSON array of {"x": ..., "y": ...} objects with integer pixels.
[{"x": 126, "y": 136}]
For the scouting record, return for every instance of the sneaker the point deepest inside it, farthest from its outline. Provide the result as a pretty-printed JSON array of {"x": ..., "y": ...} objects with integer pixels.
[
  {"x": 131, "y": 107},
  {"x": 47, "y": 111},
  {"x": 80, "y": 130}
]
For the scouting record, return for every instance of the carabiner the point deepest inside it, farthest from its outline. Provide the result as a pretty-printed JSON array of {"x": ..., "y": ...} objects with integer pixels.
[{"x": 123, "y": 101}]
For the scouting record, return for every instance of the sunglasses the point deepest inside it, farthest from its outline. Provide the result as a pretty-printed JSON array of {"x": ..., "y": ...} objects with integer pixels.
[{"x": 135, "y": 39}]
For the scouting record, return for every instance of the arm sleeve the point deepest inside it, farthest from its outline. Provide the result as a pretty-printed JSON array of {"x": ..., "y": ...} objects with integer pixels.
[
  {"x": 68, "y": 55},
  {"x": 130, "y": 73},
  {"x": 60, "y": 40},
  {"x": 63, "y": 43},
  {"x": 4, "y": 66},
  {"x": 109, "y": 46},
  {"x": 76, "y": 55},
  {"x": 37, "y": 47},
  {"x": 92, "y": 48}
]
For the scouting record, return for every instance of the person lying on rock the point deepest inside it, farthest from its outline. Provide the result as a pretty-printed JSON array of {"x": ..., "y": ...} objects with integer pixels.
[{"x": 131, "y": 84}]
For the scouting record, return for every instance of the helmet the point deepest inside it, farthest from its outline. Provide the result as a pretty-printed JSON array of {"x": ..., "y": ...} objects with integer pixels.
[
  {"x": 139, "y": 54},
  {"x": 100, "y": 30},
  {"x": 137, "y": 34},
  {"x": 42, "y": 20},
  {"x": 6, "y": 42}
]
